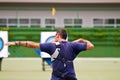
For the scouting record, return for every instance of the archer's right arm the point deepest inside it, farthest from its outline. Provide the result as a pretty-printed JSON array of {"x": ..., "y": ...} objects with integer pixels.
[{"x": 89, "y": 44}]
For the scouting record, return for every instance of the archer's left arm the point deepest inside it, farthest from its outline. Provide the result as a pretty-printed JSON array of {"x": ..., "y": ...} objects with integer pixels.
[{"x": 28, "y": 44}]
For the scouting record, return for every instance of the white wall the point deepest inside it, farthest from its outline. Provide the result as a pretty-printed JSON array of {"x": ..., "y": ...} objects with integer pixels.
[{"x": 87, "y": 16}]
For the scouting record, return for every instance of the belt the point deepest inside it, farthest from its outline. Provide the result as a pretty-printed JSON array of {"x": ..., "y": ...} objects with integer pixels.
[{"x": 61, "y": 75}]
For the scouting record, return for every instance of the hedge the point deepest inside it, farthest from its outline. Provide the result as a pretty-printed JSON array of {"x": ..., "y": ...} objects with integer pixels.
[{"x": 106, "y": 40}]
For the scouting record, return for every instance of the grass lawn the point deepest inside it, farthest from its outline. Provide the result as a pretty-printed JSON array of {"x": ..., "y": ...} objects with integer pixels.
[{"x": 86, "y": 69}]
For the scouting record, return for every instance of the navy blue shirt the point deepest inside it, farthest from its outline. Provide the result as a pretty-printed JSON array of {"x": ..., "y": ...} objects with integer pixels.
[{"x": 68, "y": 51}]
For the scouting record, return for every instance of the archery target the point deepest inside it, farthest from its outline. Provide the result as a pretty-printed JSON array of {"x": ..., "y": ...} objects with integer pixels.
[
  {"x": 47, "y": 37},
  {"x": 1, "y": 43},
  {"x": 50, "y": 39},
  {"x": 3, "y": 39}
]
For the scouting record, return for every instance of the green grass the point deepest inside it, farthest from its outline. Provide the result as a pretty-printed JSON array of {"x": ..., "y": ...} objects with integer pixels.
[{"x": 24, "y": 69}]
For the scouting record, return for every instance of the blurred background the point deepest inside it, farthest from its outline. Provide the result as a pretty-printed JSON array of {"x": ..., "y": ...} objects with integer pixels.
[{"x": 97, "y": 21}]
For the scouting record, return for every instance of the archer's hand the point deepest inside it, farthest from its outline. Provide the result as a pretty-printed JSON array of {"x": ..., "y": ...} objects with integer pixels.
[{"x": 10, "y": 44}]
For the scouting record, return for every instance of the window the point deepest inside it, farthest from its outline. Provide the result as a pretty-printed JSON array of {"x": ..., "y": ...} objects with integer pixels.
[
  {"x": 109, "y": 22},
  {"x": 98, "y": 22},
  {"x": 72, "y": 23},
  {"x": 77, "y": 22},
  {"x": 50, "y": 23},
  {"x": 118, "y": 23},
  {"x": 35, "y": 22},
  {"x": 68, "y": 21},
  {"x": 3, "y": 22},
  {"x": 12, "y": 22},
  {"x": 23, "y": 22}
]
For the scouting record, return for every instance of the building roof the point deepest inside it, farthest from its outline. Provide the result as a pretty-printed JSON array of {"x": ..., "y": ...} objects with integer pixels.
[
  {"x": 59, "y": 1},
  {"x": 60, "y": 4}
]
